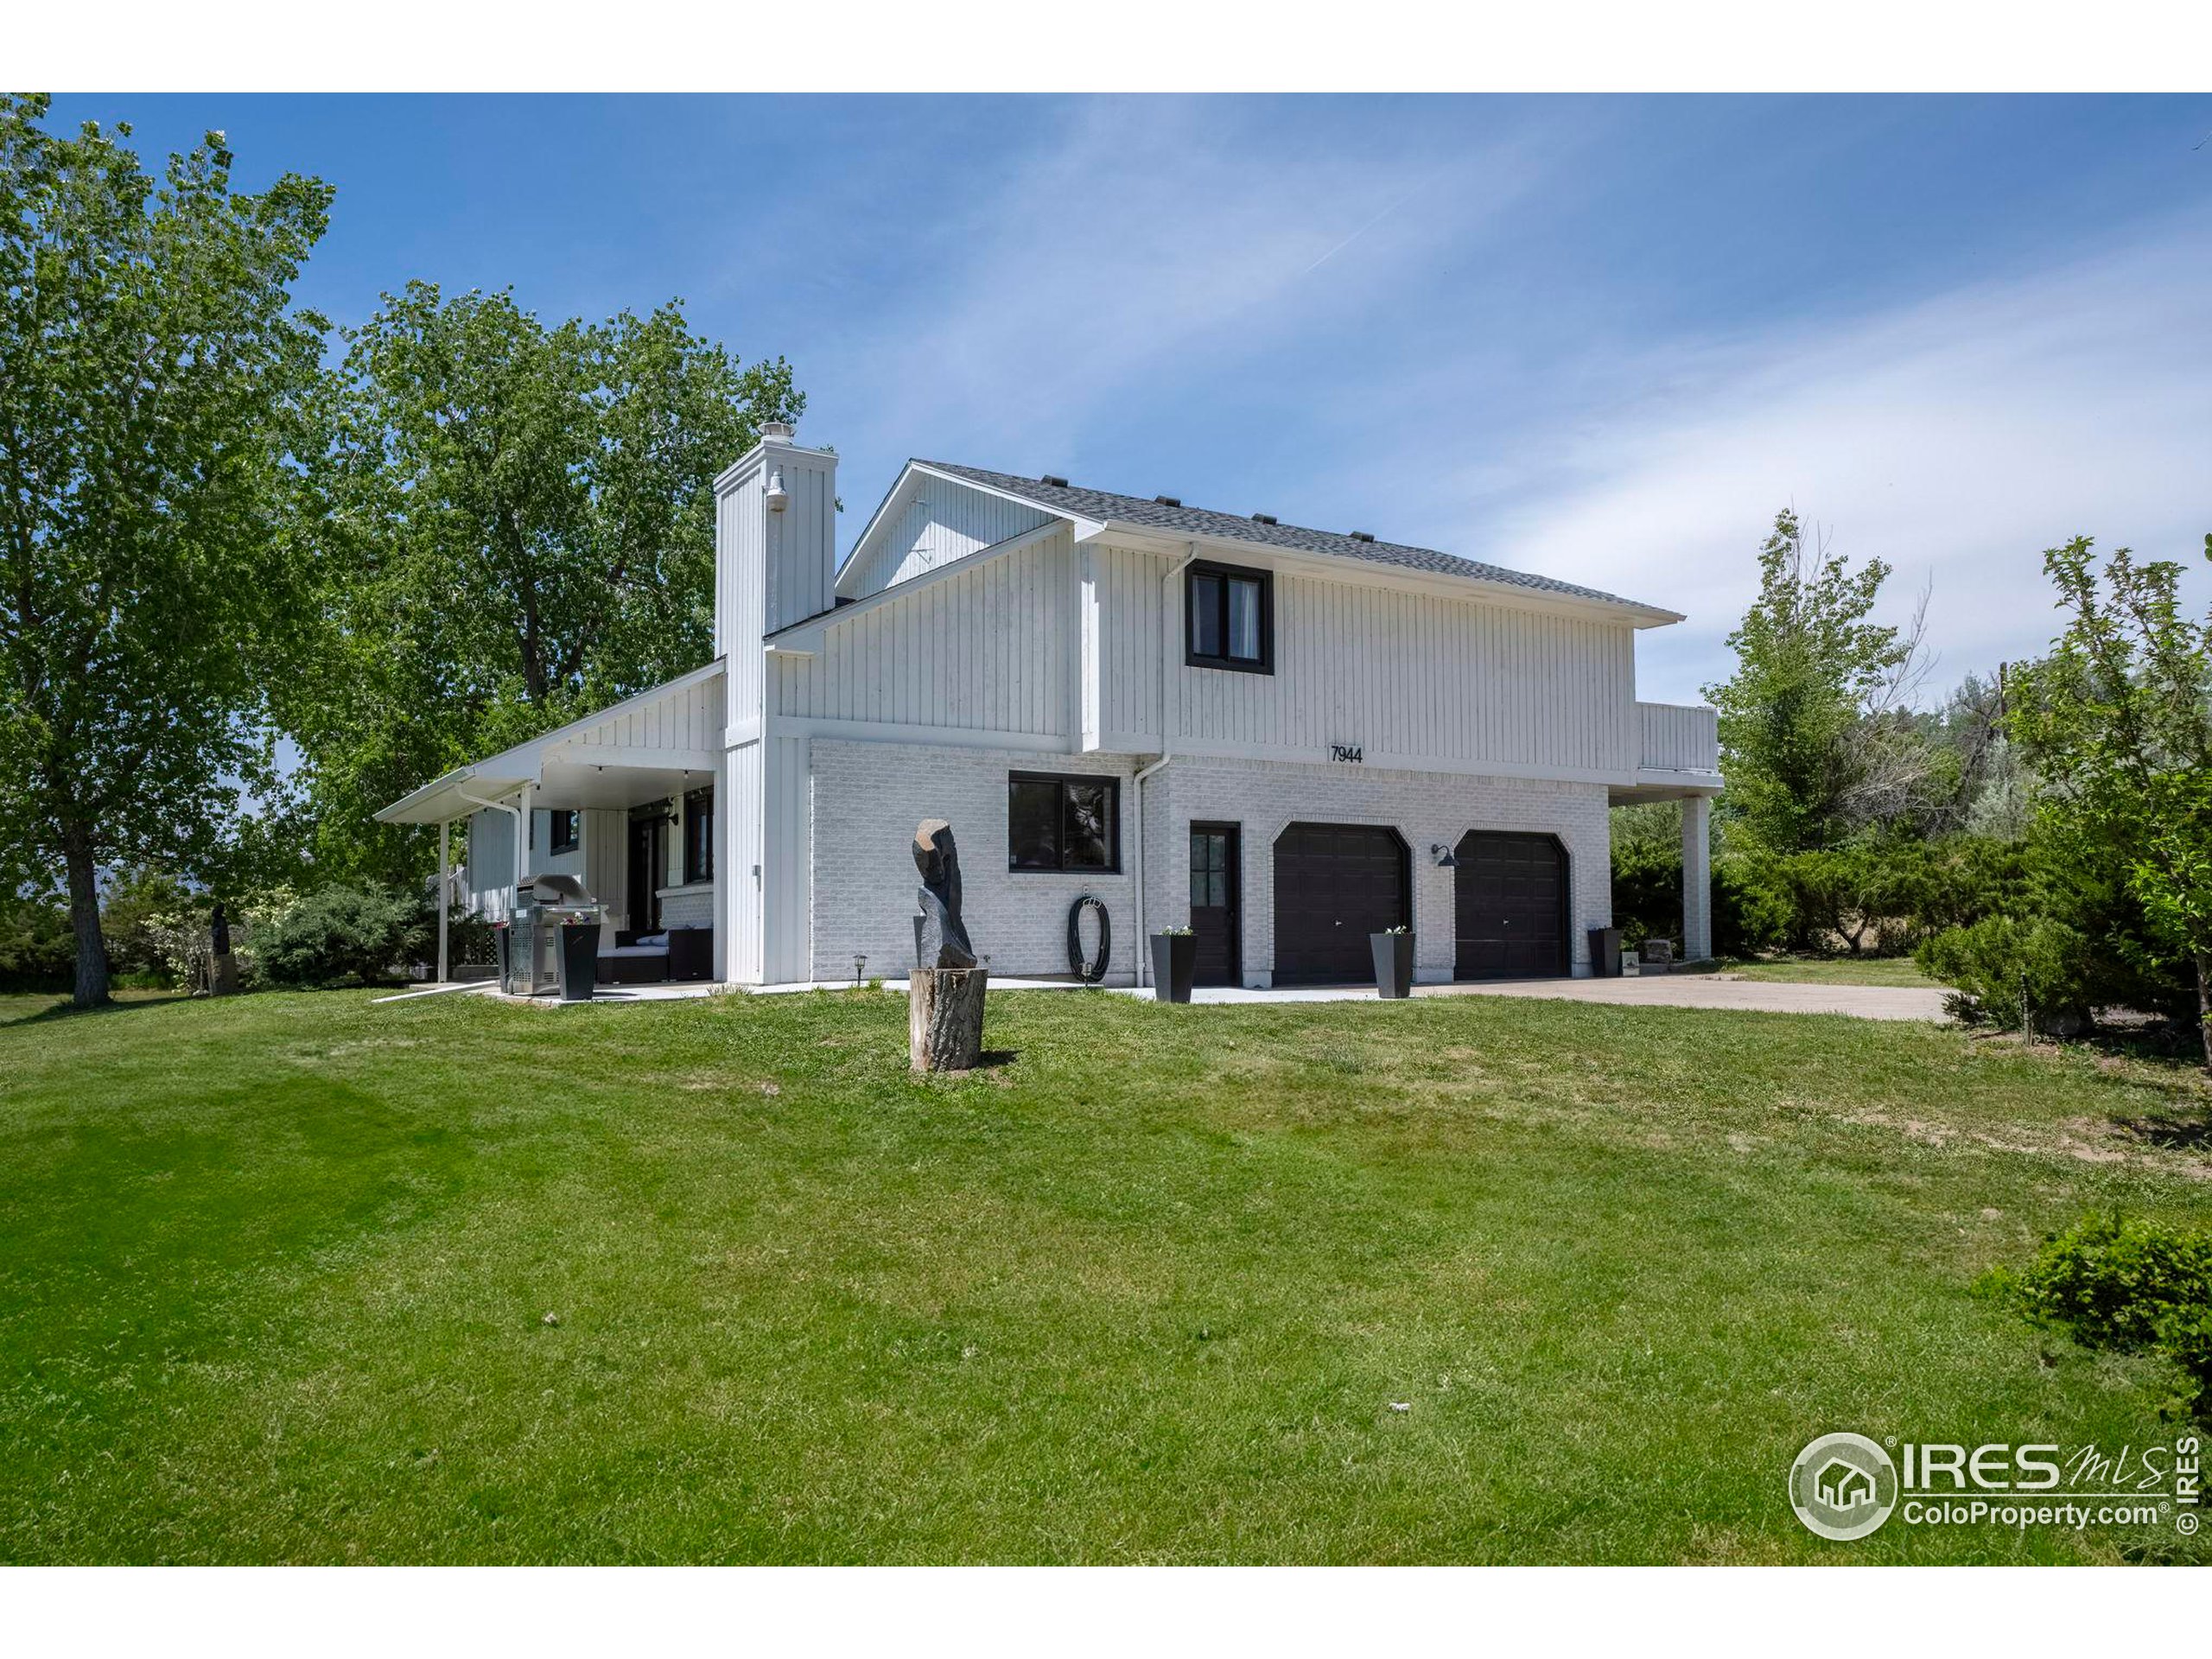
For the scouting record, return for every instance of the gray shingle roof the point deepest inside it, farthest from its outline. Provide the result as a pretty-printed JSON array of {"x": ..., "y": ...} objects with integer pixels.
[{"x": 1102, "y": 504}]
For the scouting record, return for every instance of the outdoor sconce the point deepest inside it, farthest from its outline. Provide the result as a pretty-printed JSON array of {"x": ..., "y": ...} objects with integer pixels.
[
  {"x": 779, "y": 497},
  {"x": 1443, "y": 855}
]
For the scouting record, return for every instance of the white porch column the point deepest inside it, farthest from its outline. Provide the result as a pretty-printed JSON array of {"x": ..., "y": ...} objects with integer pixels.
[
  {"x": 445, "y": 895},
  {"x": 1697, "y": 877}
]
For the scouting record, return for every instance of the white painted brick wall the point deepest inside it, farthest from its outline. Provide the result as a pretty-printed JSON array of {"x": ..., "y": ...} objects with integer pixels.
[
  {"x": 1426, "y": 808},
  {"x": 692, "y": 908},
  {"x": 867, "y": 798}
]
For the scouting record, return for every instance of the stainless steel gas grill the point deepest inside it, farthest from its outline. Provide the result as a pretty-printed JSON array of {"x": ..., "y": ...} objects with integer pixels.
[{"x": 553, "y": 939}]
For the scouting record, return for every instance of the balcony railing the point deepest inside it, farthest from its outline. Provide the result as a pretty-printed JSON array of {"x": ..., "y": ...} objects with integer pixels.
[{"x": 1678, "y": 738}]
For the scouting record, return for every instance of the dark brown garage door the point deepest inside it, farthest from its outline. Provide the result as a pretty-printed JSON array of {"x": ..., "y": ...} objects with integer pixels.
[
  {"x": 1335, "y": 884},
  {"x": 1512, "y": 908}
]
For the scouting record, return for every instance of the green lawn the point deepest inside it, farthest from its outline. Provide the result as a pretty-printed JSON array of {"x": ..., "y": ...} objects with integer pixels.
[
  {"x": 273, "y": 1276},
  {"x": 1832, "y": 970}
]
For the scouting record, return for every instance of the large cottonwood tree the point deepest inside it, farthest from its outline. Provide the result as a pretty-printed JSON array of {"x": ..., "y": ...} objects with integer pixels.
[
  {"x": 152, "y": 367},
  {"x": 517, "y": 522}
]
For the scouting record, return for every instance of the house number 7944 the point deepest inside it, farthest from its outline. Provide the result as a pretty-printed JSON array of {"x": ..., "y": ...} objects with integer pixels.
[{"x": 1349, "y": 754}]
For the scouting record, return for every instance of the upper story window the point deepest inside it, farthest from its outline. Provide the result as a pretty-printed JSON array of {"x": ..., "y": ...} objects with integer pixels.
[
  {"x": 699, "y": 836},
  {"x": 1232, "y": 618},
  {"x": 1063, "y": 824},
  {"x": 564, "y": 832}
]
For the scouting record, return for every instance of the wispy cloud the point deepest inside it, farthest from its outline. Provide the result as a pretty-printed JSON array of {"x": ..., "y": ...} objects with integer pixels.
[
  {"x": 1143, "y": 242},
  {"x": 1954, "y": 438}
]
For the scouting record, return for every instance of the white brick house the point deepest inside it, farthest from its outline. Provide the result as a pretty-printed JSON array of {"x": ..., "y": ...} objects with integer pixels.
[{"x": 1283, "y": 738}]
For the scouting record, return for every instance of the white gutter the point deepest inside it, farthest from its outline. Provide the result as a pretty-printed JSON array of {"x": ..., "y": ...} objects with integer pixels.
[{"x": 1166, "y": 754}]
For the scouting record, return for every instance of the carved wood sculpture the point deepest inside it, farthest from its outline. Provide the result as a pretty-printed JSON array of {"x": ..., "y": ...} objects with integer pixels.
[{"x": 944, "y": 1025}]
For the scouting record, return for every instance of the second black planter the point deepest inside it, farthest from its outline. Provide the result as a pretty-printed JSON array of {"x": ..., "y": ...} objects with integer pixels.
[
  {"x": 1394, "y": 964},
  {"x": 1173, "y": 957}
]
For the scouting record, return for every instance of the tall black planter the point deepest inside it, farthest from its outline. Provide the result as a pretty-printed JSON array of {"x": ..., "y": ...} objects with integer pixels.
[
  {"x": 1174, "y": 956},
  {"x": 1394, "y": 964},
  {"x": 579, "y": 961}
]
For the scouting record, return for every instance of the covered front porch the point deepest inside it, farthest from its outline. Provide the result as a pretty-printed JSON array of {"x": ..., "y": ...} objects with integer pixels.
[{"x": 623, "y": 801}]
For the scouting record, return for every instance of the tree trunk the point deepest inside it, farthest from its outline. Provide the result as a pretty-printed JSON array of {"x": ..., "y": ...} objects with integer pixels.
[
  {"x": 2204, "y": 1005},
  {"x": 85, "y": 916},
  {"x": 945, "y": 1018}
]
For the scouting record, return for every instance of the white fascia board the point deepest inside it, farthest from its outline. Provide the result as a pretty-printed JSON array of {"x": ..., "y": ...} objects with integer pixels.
[
  {"x": 1084, "y": 528},
  {"x": 454, "y": 795},
  {"x": 849, "y": 574},
  {"x": 804, "y": 638},
  {"x": 1229, "y": 550}
]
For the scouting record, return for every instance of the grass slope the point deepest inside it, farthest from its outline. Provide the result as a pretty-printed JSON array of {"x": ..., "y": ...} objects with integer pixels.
[{"x": 273, "y": 1274}]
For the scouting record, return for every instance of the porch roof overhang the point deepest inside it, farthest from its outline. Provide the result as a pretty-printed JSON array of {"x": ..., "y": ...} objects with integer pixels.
[
  {"x": 1657, "y": 784},
  {"x": 568, "y": 766}
]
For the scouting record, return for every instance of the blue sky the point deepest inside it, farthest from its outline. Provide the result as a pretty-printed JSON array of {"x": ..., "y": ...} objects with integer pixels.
[{"x": 1604, "y": 338}]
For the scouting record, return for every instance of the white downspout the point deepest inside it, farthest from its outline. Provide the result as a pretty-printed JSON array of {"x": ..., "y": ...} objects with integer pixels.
[{"x": 1168, "y": 620}]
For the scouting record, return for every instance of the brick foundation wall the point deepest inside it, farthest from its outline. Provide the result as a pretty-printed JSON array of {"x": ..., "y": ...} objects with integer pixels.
[
  {"x": 1426, "y": 808},
  {"x": 867, "y": 798}
]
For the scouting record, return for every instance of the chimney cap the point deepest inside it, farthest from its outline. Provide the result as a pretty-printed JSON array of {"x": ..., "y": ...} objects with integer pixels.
[{"x": 777, "y": 431}]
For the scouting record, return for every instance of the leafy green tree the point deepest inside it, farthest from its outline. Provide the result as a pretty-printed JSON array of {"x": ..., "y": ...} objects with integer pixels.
[
  {"x": 516, "y": 524},
  {"x": 152, "y": 367},
  {"x": 2117, "y": 722},
  {"x": 1808, "y": 742}
]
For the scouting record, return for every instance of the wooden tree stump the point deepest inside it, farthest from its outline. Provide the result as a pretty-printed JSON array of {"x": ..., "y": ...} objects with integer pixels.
[{"x": 945, "y": 1018}]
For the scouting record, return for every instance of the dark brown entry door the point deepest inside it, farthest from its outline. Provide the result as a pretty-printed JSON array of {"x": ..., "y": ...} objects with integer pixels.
[
  {"x": 647, "y": 864},
  {"x": 1511, "y": 895},
  {"x": 1335, "y": 884},
  {"x": 1215, "y": 904}
]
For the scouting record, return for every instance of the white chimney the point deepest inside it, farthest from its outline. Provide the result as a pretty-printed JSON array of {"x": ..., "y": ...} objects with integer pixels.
[{"x": 775, "y": 538}]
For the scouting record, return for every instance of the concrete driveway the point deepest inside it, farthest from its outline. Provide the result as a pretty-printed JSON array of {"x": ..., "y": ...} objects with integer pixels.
[
  {"x": 1721, "y": 991},
  {"x": 1659, "y": 991}
]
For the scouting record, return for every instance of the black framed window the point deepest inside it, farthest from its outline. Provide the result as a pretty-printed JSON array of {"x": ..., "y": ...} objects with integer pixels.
[
  {"x": 1231, "y": 613},
  {"x": 564, "y": 831},
  {"x": 699, "y": 836},
  {"x": 1063, "y": 824}
]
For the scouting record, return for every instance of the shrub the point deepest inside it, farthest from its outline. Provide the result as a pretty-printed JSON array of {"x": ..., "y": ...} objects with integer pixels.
[
  {"x": 1750, "y": 911},
  {"x": 1998, "y": 962},
  {"x": 2129, "y": 1286},
  {"x": 364, "y": 934}
]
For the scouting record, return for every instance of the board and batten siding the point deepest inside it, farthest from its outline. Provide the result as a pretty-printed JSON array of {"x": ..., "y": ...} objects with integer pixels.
[
  {"x": 1408, "y": 677},
  {"x": 1678, "y": 737},
  {"x": 689, "y": 720},
  {"x": 987, "y": 649},
  {"x": 939, "y": 522}
]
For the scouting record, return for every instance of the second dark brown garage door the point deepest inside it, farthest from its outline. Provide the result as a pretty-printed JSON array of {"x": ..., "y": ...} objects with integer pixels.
[
  {"x": 1335, "y": 884},
  {"x": 1512, "y": 908}
]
